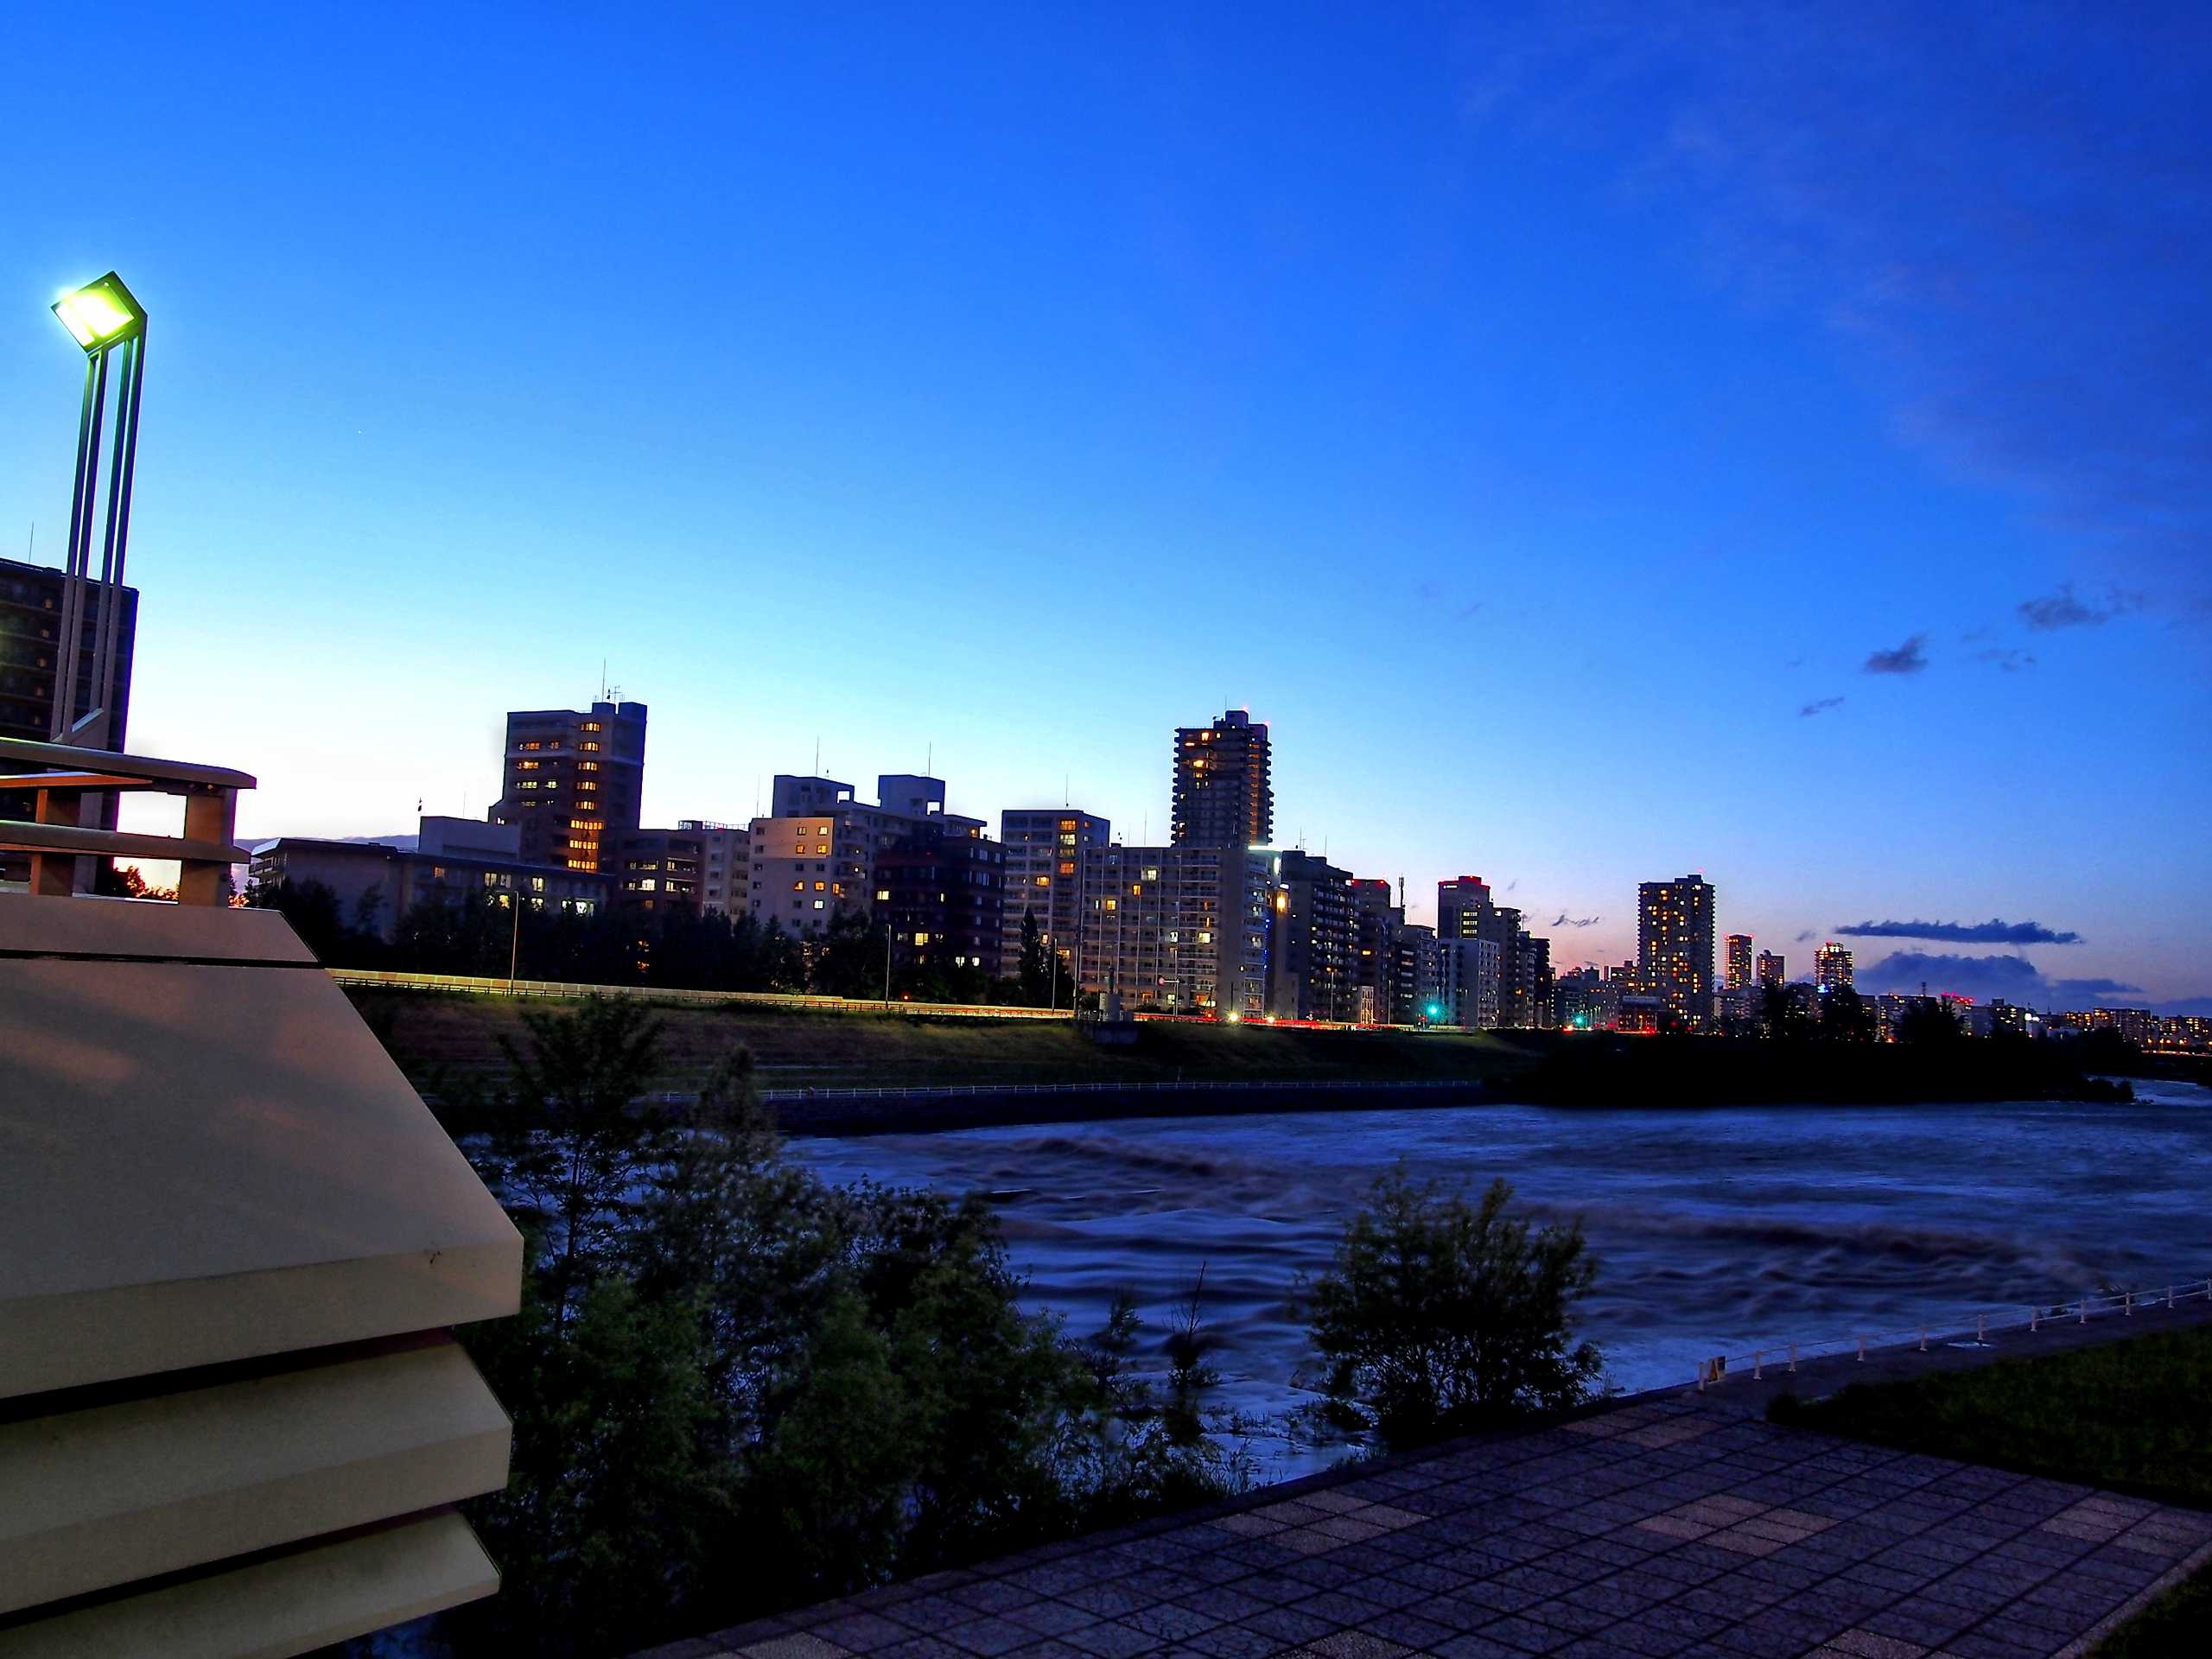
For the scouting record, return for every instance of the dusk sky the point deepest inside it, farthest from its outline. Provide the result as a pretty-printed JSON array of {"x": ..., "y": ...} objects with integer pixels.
[{"x": 1601, "y": 442}]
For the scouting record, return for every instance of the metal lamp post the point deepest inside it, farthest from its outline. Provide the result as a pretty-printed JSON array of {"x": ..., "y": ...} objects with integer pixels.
[{"x": 104, "y": 317}]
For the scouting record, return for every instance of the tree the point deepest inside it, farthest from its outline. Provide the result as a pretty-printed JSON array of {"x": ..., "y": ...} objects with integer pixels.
[
  {"x": 314, "y": 914},
  {"x": 1437, "y": 1317},
  {"x": 574, "y": 1153},
  {"x": 849, "y": 959},
  {"x": 1035, "y": 970},
  {"x": 1845, "y": 1017},
  {"x": 1926, "y": 1022},
  {"x": 1783, "y": 1015}
]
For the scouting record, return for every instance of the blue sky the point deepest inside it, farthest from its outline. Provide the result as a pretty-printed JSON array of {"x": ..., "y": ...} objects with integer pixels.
[{"x": 1531, "y": 414}]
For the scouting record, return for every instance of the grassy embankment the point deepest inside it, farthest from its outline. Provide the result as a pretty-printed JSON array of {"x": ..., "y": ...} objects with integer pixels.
[
  {"x": 2126, "y": 1415},
  {"x": 443, "y": 1037},
  {"x": 433, "y": 1035}
]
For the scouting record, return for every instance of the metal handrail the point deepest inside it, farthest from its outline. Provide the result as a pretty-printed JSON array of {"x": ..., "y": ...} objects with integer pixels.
[
  {"x": 2031, "y": 1318},
  {"x": 67, "y": 783}
]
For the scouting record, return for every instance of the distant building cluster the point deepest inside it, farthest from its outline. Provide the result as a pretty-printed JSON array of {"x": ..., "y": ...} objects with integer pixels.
[{"x": 1216, "y": 921}]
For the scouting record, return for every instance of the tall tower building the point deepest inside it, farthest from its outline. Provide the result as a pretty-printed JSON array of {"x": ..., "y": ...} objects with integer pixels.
[
  {"x": 1832, "y": 968},
  {"x": 1773, "y": 970},
  {"x": 572, "y": 779},
  {"x": 1223, "y": 795},
  {"x": 1459, "y": 902},
  {"x": 1673, "y": 945},
  {"x": 1739, "y": 961}
]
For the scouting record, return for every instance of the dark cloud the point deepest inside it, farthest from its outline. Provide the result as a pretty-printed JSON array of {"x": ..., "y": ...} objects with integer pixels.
[
  {"x": 2199, "y": 1006},
  {"x": 1807, "y": 935},
  {"x": 2011, "y": 659},
  {"x": 2014, "y": 978},
  {"x": 1565, "y": 920},
  {"x": 1998, "y": 212},
  {"x": 2094, "y": 988},
  {"x": 1819, "y": 708},
  {"x": 1908, "y": 658},
  {"x": 1466, "y": 611},
  {"x": 2066, "y": 609},
  {"x": 1794, "y": 662},
  {"x": 1991, "y": 932}
]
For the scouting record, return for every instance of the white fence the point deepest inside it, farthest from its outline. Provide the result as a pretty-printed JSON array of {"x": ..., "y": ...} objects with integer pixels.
[{"x": 1783, "y": 1359}]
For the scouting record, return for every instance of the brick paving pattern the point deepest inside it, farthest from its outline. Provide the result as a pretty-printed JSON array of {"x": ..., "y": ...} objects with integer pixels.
[{"x": 1665, "y": 1529}]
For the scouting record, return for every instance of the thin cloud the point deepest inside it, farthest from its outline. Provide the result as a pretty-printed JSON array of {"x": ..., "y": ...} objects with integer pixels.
[
  {"x": 2011, "y": 659},
  {"x": 1565, "y": 920},
  {"x": 2045, "y": 338},
  {"x": 1819, "y": 708},
  {"x": 1908, "y": 658},
  {"x": 1993, "y": 932},
  {"x": 2066, "y": 609},
  {"x": 2094, "y": 987}
]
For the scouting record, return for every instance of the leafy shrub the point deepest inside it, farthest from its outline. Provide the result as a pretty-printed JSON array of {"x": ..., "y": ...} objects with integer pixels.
[{"x": 1438, "y": 1318}]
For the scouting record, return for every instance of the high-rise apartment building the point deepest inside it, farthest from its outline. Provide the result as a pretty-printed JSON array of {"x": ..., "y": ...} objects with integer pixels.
[
  {"x": 1771, "y": 969},
  {"x": 1739, "y": 961},
  {"x": 1832, "y": 968},
  {"x": 31, "y": 600},
  {"x": 1045, "y": 847},
  {"x": 815, "y": 854},
  {"x": 1223, "y": 796},
  {"x": 1458, "y": 902},
  {"x": 724, "y": 851},
  {"x": 1376, "y": 918},
  {"x": 1413, "y": 973},
  {"x": 572, "y": 781},
  {"x": 1312, "y": 953},
  {"x": 941, "y": 892},
  {"x": 1177, "y": 928},
  {"x": 1470, "y": 983},
  {"x": 1673, "y": 946}
]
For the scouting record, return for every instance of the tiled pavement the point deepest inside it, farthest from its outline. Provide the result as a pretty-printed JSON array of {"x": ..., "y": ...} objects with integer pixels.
[{"x": 1667, "y": 1528}]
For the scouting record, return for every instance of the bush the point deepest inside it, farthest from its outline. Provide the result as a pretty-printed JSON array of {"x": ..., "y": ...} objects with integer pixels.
[
  {"x": 736, "y": 1389},
  {"x": 1438, "y": 1318}
]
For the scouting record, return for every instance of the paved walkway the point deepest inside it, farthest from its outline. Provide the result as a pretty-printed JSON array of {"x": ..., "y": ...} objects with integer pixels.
[{"x": 1670, "y": 1528}]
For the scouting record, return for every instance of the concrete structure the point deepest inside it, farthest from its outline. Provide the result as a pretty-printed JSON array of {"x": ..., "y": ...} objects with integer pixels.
[
  {"x": 1182, "y": 929},
  {"x": 1224, "y": 795},
  {"x": 571, "y": 781},
  {"x": 1458, "y": 901},
  {"x": 1673, "y": 946},
  {"x": 1832, "y": 968},
  {"x": 233, "y": 1419},
  {"x": 1314, "y": 945},
  {"x": 1773, "y": 970},
  {"x": 1739, "y": 961},
  {"x": 377, "y": 883},
  {"x": 942, "y": 895},
  {"x": 725, "y": 878},
  {"x": 1045, "y": 847}
]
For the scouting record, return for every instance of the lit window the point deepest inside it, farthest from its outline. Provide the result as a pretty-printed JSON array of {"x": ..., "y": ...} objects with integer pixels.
[
  {"x": 921, "y": 938},
  {"x": 822, "y": 887},
  {"x": 822, "y": 903},
  {"x": 882, "y": 895}
]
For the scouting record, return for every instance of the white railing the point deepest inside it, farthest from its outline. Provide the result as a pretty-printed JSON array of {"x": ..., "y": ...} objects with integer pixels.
[
  {"x": 925, "y": 1091},
  {"x": 1783, "y": 1359}
]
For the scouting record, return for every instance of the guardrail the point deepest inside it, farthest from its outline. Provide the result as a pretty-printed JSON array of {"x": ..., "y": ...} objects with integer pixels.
[
  {"x": 2093, "y": 1304},
  {"x": 64, "y": 832},
  {"x": 923, "y": 1091}
]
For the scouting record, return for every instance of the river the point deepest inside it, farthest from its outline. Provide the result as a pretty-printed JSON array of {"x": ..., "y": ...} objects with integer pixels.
[{"x": 1717, "y": 1230}]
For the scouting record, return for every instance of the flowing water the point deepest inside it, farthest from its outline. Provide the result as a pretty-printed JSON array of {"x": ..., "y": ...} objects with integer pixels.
[{"x": 1717, "y": 1230}]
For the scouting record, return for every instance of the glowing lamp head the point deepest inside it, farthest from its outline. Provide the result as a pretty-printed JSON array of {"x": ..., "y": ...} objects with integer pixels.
[{"x": 101, "y": 314}]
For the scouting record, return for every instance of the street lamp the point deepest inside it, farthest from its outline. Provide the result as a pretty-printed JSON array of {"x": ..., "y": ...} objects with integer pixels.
[{"x": 105, "y": 319}]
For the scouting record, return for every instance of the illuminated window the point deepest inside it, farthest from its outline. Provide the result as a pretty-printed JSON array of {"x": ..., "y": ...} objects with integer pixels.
[
  {"x": 1067, "y": 870},
  {"x": 921, "y": 938},
  {"x": 798, "y": 887},
  {"x": 1044, "y": 881},
  {"x": 882, "y": 895},
  {"x": 537, "y": 883},
  {"x": 526, "y": 766},
  {"x": 821, "y": 904},
  {"x": 822, "y": 887},
  {"x": 591, "y": 726}
]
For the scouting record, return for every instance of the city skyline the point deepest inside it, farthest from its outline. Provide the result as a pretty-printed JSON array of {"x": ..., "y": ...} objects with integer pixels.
[{"x": 1258, "y": 368}]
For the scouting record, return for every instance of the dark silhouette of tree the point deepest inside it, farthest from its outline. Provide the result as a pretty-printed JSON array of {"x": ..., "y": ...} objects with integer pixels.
[
  {"x": 1845, "y": 1017},
  {"x": 1035, "y": 970},
  {"x": 1783, "y": 1016},
  {"x": 1926, "y": 1021}
]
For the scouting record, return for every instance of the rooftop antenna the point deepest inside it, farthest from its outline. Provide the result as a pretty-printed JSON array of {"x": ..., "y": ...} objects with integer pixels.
[
  {"x": 929, "y": 761},
  {"x": 817, "y": 754},
  {"x": 1067, "y": 789},
  {"x": 1401, "y": 892},
  {"x": 30, "y": 552}
]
